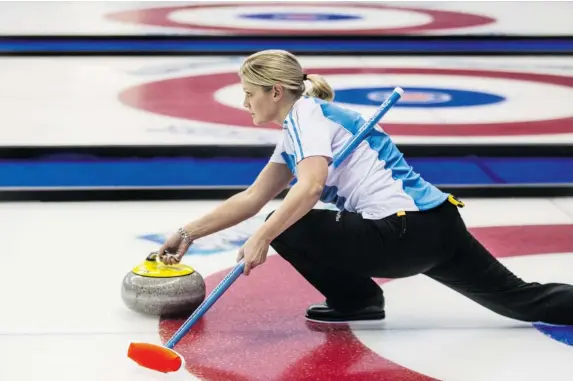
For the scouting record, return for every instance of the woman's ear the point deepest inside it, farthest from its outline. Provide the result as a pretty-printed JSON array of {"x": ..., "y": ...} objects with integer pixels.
[{"x": 277, "y": 92}]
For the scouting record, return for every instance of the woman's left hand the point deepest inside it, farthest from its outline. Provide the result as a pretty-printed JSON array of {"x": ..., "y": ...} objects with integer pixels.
[{"x": 254, "y": 252}]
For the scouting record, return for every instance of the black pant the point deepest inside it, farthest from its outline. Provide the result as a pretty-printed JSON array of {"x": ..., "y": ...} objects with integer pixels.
[{"x": 340, "y": 253}]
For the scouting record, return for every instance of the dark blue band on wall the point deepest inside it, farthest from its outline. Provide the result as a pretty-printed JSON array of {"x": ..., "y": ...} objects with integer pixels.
[
  {"x": 316, "y": 45},
  {"x": 234, "y": 172}
]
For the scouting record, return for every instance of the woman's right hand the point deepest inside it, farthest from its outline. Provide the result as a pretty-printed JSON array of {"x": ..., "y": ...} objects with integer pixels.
[{"x": 174, "y": 248}]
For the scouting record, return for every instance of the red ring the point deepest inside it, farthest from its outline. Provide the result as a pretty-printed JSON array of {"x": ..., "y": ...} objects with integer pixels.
[
  {"x": 192, "y": 98},
  {"x": 440, "y": 19}
]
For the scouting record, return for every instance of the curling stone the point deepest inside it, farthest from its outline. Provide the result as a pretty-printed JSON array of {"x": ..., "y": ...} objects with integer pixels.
[{"x": 153, "y": 288}]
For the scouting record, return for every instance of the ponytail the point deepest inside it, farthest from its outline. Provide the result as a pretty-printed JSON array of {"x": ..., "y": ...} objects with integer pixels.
[{"x": 320, "y": 88}]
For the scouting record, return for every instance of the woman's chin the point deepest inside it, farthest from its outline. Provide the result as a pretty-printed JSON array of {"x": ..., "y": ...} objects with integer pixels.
[{"x": 257, "y": 121}]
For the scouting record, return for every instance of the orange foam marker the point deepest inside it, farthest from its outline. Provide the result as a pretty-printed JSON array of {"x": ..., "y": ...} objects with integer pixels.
[{"x": 155, "y": 357}]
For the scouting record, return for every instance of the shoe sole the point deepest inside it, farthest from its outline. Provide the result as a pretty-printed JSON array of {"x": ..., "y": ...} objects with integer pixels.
[
  {"x": 350, "y": 318},
  {"x": 352, "y": 324}
]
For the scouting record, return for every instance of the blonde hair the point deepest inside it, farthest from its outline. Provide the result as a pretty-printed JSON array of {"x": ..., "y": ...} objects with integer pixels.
[{"x": 269, "y": 67}]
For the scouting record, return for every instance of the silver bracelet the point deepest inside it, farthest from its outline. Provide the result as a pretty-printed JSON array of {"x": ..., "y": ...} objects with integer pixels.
[{"x": 183, "y": 233}]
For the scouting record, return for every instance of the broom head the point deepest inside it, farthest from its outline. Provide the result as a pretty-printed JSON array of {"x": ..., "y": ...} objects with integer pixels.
[{"x": 155, "y": 357}]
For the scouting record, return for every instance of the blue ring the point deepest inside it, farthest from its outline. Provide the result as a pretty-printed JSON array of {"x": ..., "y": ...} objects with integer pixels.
[
  {"x": 418, "y": 97},
  {"x": 298, "y": 16}
]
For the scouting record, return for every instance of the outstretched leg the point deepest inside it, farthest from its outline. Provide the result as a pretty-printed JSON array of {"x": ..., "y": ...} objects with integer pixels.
[{"x": 476, "y": 274}]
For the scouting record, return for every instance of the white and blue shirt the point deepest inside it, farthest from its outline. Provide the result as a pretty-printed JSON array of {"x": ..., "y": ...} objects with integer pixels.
[{"x": 374, "y": 181}]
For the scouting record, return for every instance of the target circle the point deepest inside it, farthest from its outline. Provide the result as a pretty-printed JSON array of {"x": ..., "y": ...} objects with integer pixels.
[
  {"x": 261, "y": 317},
  {"x": 268, "y": 18},
  {"x": 216, "y": 99}
]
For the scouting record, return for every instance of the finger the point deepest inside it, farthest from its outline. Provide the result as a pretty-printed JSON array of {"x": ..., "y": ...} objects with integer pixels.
[
  {"x": 167, "y": 259},
  {"x": 181, "y": 251},
  {"x": 166, "y": 251},
  {"x": 247, "y": 268},
  {"x": 256, "y": 262},
  {"x": 240, "y": 255}
]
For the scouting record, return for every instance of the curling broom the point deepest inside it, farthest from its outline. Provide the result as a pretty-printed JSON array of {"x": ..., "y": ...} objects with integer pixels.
[{"x": 164, "y": 358}]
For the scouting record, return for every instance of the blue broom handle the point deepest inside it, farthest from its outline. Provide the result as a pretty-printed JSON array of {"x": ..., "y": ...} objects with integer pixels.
[
  {"x": 207, "y": 303},
  {"x": 367, "y": 127}
]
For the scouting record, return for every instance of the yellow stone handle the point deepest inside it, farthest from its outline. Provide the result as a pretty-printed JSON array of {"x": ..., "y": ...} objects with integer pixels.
[{"x": 152, "y": 257}]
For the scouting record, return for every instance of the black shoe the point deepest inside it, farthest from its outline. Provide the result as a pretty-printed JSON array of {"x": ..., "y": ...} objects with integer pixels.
[{"x": 322, "y": 313}]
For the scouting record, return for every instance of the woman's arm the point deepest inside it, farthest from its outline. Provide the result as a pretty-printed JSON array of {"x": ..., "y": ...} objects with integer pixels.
[
  {"x": 312, "y": 174},
  {"x": 272, "y": 180}
]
